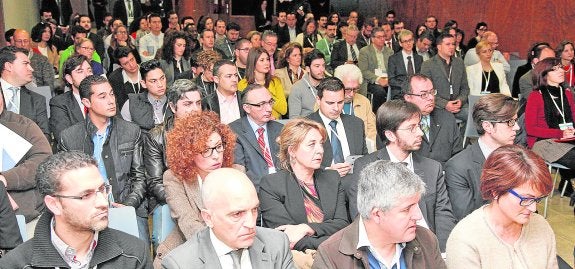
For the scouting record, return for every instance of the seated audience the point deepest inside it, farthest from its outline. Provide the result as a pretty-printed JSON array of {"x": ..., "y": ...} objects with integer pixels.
[
  {"x": 259, "y": 71},
  {"x": 205, "y": 79},
  {"x": 486, "y": 76},
  {"x": 43, "y": 43},
  {"x": 43, "y": 71},
  {"x": 256, "y": 146},
  {"x": 309, "y": 35},
  {"x": 347, "y": 49},
  {"x": 565, "y": 51},
  {"x": 150, "y": 43},
  {"x": 126, "y": 80},
  {"x": 526, "y": 85},
  {"x": 289, "y": 66},
  {"x": 73, "y": 232},
  {"x": 242, "y": 50},
  {"x": 480, "y": 30},
  {"x": 386, "y": 234},
  {"x": 507, "y": 233},
  {"x": 495, "y": 118},
  {"x": 549, "y": 116},
  {"x": 232, "y": 239},
  {"x": 197, "y": 145},
  {"x": 326, "y": 44},
  {"x": 225, "y": 101},
  {"x": 402, "y": 64},
  {"x": 176, "y": 53},
  {"x": 303, "y": 200},
  {"x": 303, "y": 96},
  {"x": 373, "y": 61},
  {"x": 255, "y": 38},
  {"x": 85, "y": 47},
  {"x": 76, "y": 32},
  {"x": 119, "y": 38},
  {"x": 471, "y": 57},
  {"x": 228, "y": 42}
]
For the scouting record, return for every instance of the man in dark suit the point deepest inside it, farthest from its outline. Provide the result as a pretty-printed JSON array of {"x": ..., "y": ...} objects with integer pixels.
[
  {"x": 441, "y": 139},
  {"x": 364, "y": 37},
  {"x": 125, "y": 80},
  {"x": 346, "y": 50},
  {"x": 398, "y": 125},
  {"x": 402, "y": 64},
  {"x": 226, "y": 101},
  {"x": 67, "y": 109},
  {"x": 495, "y": 117},
  {"x": 526, "y": 81},
  {"x": 43, "y": 69},
  {"x": 236, "y": 235},
  {"x": 15, "y": 73},
  {"x": 423, "y": 46},
  {"x": 449, "y": 77},
  {"x": 63, "y": 17},
  {"x": 534, "y": 52},
  {"x": 346, "y": 133},
  {"x": 280, "y": 29},
  {"x": 127, "y": 10},
  {"x": 256, "y": 147}
]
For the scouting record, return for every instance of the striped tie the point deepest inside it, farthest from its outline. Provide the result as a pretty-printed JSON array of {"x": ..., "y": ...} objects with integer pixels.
[{"x": 262, "y": 144}]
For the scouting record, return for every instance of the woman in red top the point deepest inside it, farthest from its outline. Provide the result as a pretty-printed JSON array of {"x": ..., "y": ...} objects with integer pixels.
[
  {"x": 565, "y": 51},
  {"x": 549, "y": 116}
]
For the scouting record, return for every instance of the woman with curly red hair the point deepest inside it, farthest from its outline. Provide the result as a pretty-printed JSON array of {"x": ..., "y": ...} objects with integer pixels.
[{"x": 197, "y": 145}]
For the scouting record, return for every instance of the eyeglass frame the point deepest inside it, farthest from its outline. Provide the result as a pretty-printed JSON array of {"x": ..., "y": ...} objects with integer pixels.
[
  {"x": 413, "y": 129},
  {"x": 90, "y": 196},
  {"x": 424, "y": 95},
  {"x": 271, "y": 103},
  {"x": 507, "y": 122},
  {"x": 529, "y": 200},
  {"x": 212, "y": 149}
]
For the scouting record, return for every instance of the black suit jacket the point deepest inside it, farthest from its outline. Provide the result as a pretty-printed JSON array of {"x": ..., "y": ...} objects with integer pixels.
[
  {"x": 282, "y": 33},
  {"x": 521, "y": 70},
  {"x": 120, "y": 10},
  {"x": 281, "y": 202},
  {"x": 339, "y": 53},
  {"x": 362, "y": 41},
  {"x": 354, "y": 132},
  {"x": 9, "y": 231},
  {"x": 64, "y": 112},
  {"x": 121, "y": 89},
  {"x": 65, "y": 10},
  {"x": 444, "y": 137},
  {"x": 248, "y": 152},
  {"x": 435, "y": 205},
  {"x": 397, "y": 71},
  {"x": 213, "y": 104},
  {"x": 33, "y": 106}
]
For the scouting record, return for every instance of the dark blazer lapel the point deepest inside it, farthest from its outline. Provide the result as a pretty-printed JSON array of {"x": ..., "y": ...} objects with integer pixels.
[
  {"x": 439, "y": 64},
  {"x": 327, "y": 153},
  {"x": 434, "y": 127},
  {"x": 294, "y": 200},
  {"x": 327, "y": 193},
  {"x": 258, "y": 257},
  {"x": 418, "y": 170},
  {"x": 75, "y": 110},
  {"x": 417, "y": 60},
  {"x": 273, "y": 132},
  {"x": 26, "y": 103},
  {"x": 350, "y": 133},
  {"x": 402, "y": 64},
  {"x": 251, "y": 136}
]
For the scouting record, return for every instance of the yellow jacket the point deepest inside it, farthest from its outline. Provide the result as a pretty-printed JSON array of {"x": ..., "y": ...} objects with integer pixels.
[{"x": 277, "y": 91}]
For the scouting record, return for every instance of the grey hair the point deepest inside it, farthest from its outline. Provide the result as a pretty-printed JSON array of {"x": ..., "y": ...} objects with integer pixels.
[
  {"x": 51, "y": 170},
  {"x": 181, "y": 87},
  {"x": 348, "y": 71},
  {"x": 382, "y": 184}
]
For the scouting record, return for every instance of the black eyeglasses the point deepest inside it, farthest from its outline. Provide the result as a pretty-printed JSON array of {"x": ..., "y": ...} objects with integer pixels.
[
  {"x": 105, "y": 190},
  {"x": 509, "y": 123},
  {"x": 526, "y": 201},
  {"x": 425, "y": 95},
  {"x": 219, "y": 148},
  {"x": 348, "y": 90},
  {"x": 413, "y": 128},
  {"x": 271, "y": 103}
]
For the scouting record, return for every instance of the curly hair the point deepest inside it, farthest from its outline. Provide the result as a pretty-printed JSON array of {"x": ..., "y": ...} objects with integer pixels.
[
  {"x": 168, "y": 48},
  {"x": 189, "y": 137},
  {"x": 286, "y": 51},
  {"x": 206, "y": 58}
]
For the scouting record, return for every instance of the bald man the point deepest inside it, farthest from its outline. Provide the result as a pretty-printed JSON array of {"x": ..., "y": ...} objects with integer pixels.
[
  {"x": 43, "y": 70},
  {"x": 231, "y": 238}
]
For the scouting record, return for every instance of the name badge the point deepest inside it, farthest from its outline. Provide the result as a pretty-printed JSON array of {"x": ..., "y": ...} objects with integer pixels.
[
  {"x": 565, "y": 126},
  {"x": 380, "y": 73}
]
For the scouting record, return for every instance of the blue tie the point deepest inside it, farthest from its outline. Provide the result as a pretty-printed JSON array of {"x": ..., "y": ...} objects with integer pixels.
[{"x": 335, "y": 144}]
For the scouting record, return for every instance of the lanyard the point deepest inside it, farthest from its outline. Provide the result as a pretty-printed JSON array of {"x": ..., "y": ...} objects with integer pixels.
[
  {"x": 562, "y": 110},
  {"x": 487, "y": 78},
  {"x": 311, "y": 88}
]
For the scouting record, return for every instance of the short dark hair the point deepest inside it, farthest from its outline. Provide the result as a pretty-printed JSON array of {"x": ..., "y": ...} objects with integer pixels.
[
  {"x": 49, "y": 173},
  {"x": 88, "y": 82},
  {"x": 240, "y": 42},
  {"x": 311, "y": 56},
  {"x": 148, "y": 66},
  {"x": 331, "y": 84},
  {"x": 77, "y": 29},
  {"x": 8, "y": 55},
  {"x": 535, "y": 50},
  {"x": 406, "y": 85},
  {"x": 9, "y": 34},
  {"x": 38, "y": 30},
  {"x": 426, "y": 35},
  {"x": 391, "y": 114},
  {"x": 441, "y": 37},
  {"x": 154, "y": 15},
  {"x": 70, "y": 64},
  {"x": 390, "y": 12},
  {"x": 181, "y": 87},
  {"x": 219, "y": 64},
  {"x": 493, "y": 107},
  {"x": 82, "y": 16},
  {"x": 122, "y": 52},
  {"x": 233, "y": 26},
  {"x": 479, "y": 25},
  {"x": 450, "y": 23},
  {"x": 44, "y": 9},
  {"x": 185, "y": 18}
]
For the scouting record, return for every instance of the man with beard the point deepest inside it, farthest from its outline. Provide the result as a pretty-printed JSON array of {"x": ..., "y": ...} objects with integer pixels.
[
  {"x": 325, "y": 45},
  {"x": 495, "y": 117},
  {"x": 302, "y": 100},
  {"x": 232, "y": 239},
  {"x": 398, "y": 125},
  {"x": 74, "y": 232},
  {"x": 242, "y": 49}
]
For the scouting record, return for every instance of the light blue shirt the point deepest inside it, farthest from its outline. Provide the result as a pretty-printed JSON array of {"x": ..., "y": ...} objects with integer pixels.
[{"x": 99, "y": 139}]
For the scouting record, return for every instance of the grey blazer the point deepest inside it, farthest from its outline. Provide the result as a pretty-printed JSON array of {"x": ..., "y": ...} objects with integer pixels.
[
  {"x": 65, "y": 112},
  {"x": 435, "y": 69},
  {"x": 269, "y": 250},
  {"x": 248, "y": 152},
  {"x": 444, "y": 138},
  {"x": 367, "y": 63},
  {"x": 462, "y": 174},
  {"x": 169, "y": 69},
  {"x": 435, "y": 204},
  {"x": 302, "y": 100},
  {"x": 355, "y": 132}
]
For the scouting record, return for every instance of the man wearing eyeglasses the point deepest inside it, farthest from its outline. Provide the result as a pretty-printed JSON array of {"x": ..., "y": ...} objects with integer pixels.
[
  {"x": 115, "y": 144},
  {"x": 398, "y": 125},
  {"x": 73, "y": 232},
  {"x": 43, "y": 69},
  {"x": 495, "y": 117},
  {"x": 256, "y": 147},
  {"x": 441, "y": 139},
  {"x": 403, "y": 63}
]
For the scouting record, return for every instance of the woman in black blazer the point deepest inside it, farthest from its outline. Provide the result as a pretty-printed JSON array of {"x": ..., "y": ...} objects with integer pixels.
[{"x": 302, "y": 200}]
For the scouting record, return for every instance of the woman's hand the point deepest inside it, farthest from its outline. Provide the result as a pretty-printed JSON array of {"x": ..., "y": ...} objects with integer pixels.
[
  {"x": 568, "y": 133},
  {"x": 295, "y": 232}
]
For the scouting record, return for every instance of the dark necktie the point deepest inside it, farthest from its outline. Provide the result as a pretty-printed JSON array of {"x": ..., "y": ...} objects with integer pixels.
[
  {"x": 353, "y": 55},
  {"x": 409, "y": 66},
  {"x": 236, "y": 258},
  {"x": 335, "y": 143}
]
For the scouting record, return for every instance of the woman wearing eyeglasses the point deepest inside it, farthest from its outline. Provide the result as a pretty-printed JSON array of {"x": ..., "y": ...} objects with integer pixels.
[
  {"x": 197, "y": 145},
  {"x": 507, "y": 233},
  {"x": 486, "y": 76},
  {"x": 303, "y": 200},
  {"x": 549, "y": 115},
  {"x": 85, "y": 47}
]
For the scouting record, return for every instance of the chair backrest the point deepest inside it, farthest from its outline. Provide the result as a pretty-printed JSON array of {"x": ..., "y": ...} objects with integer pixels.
[
  {"x": 470, "y": 130},
  {"x": 163, "y": 223},
  {"x": 123, "y": 219},
  {"x": 47, "y": 93},
  {"x": 22, "y": 226}
]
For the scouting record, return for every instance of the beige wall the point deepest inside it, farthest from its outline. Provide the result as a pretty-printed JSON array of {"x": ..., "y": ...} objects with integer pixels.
[{"x": 19, "y": 14}]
